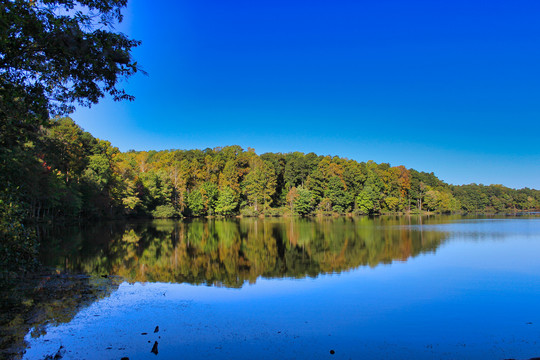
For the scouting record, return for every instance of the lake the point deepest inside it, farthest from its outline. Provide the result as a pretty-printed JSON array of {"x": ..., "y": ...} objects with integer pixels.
[{"x": 441, "y": 287}]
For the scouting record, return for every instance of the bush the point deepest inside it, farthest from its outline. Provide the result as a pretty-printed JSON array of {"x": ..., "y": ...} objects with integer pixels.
[
  {"x": 164, "y": 212},
  {"x": 274, "y": 212},
  {"x": 249, "y": 212}
]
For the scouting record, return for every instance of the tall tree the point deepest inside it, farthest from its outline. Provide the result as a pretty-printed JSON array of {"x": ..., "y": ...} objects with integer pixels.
[
  {"x": 260, "y": 184},
  {"x": 303, "y": 204},
  {"x": 227, "y": 201},
  {"x": 55, "y": 54}
]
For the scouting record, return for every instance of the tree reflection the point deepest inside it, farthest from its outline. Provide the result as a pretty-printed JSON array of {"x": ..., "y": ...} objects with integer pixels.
[{"x": 233, "y": 252}]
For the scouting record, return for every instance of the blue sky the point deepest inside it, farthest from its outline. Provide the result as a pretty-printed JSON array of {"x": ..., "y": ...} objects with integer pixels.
[{"x": 451, "y": 87}]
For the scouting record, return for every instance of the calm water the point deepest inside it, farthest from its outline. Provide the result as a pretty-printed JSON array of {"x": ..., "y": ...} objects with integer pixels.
[{"x": 383, "y": 288}]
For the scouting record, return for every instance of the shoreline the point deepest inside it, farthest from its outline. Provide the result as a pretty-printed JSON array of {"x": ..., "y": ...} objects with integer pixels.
[{"x": 66, "y": 221}]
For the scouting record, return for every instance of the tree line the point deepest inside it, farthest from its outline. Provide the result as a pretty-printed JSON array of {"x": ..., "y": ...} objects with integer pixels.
[
  {"x": 54, "y": 55},
  {"x": 68, "y": 173}
]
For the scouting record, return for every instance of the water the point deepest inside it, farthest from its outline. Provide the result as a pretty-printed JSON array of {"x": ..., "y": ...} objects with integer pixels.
[{"x": 383, "y": 288}]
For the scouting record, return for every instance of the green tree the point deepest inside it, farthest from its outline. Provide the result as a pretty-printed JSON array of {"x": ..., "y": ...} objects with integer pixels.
[
  {"x": 66, "y": 147},
  {"x": 368, "y": 201},
  {"x": 99, "y": 170},
  {"x": 260, "y": 184},
  {"x": 316, "y": 184},
  {"x": 338, "y": 195},
  {"x": 131, "y": 199},
  {"x": 18, "y": 245},
  {"x": 227, "y": 202},
  {"x": 55, "y": 54},
  {"x": 303, "y": 203},
  {"x": 195, "y": 202},
  {"x": 209, "y": 192},
  {"x": 298, "y": 167},
  {"x": 392, "y": 203}
]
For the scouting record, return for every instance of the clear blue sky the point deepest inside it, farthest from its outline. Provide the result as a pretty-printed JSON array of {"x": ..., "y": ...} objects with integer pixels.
[{"x": 451, "y": 87}]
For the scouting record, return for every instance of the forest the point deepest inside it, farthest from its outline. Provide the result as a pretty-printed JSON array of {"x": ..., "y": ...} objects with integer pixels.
[
  {"x": 56, "y": 55},
  {"x": 66, "y": 173}
]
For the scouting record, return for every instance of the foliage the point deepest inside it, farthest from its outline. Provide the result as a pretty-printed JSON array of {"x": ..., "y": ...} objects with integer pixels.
[
  {"x": 18, "y": 244},
  {"x": 338, "y": 195},
  {"x": 303, "y": 204},
  {"x": 67, "y": 173},
  {"x": 209, "y": 192},
  {"x": 367, "y": 201},
  {"x": 55, "y": 54},
  {"x": 260, "y": 185},
  {"x": 226, "y": 202},
  {"x": 73, "y": 174},
  {"x": 164, "y": 212},
  {"x": 291, "y": 197},
  {"x": 196, "y": 203}
]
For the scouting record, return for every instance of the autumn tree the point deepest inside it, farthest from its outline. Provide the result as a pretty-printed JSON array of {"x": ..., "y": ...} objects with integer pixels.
[
  {"x": 292, "y": 195},
  {"x": 229, "y": 177},
  {"x": 260, "y": 184}
]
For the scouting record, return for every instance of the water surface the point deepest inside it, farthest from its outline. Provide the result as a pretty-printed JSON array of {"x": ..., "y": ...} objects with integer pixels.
[{"x": 392, "y": 288}]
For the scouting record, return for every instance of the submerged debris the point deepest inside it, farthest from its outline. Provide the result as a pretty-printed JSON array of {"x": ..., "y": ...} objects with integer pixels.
[
  {"x": 59, "y": 354},
  {"x": 154, "y": 348}
]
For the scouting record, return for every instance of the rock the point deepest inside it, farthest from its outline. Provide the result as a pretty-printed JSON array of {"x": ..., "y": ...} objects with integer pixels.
[
  {"x": 154, "y": 348},
  {"x": 60, "y": 353}
]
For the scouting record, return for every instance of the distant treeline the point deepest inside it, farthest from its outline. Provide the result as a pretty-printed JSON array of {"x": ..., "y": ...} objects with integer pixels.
[{"x": 65, "y": 173}]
